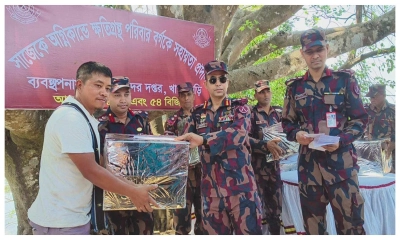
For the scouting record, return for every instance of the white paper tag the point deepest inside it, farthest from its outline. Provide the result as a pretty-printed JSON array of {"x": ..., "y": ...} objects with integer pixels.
[{"x": 331, "y": 119}]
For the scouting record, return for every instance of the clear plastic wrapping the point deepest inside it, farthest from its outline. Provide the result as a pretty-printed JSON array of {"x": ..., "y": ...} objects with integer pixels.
[
  {"x": 276, "y": 131},
  {"x": 143, "y": 159},
  {"x": 372, "y": 157},
  {"x": 194, "y": 157}
]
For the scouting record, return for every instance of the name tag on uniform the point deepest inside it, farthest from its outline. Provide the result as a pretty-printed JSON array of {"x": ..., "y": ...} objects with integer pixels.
[
  {"x": 261, "y": 122},
  {"x": 331, "y": 119},
  {"x": 201, "y": 125},
  {"x": 300, "y": 96}
]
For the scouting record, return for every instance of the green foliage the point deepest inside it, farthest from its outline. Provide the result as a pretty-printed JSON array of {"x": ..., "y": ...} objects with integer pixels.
[
  {"x": 278, "y": 89},
  {"x": 338, "y": 15},
  {"x": 250, "y": 25}
]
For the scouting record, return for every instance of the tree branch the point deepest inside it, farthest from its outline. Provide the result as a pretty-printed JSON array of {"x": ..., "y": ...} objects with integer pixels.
[
  {"x": 279, "y": 40},
  {"x": 353, "y": 37},
  {"x": 171, "y": 11},
  {"x": 351, "y": 62},
  {"x": 268, "y": 17},
  {"x": 236, "y": 22},
  {"x": 283, "y": 39},
  {"x": 218, "y": 15}
]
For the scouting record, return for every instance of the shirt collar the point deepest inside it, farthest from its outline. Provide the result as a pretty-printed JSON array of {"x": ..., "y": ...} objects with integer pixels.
[{"x": 326, "y": 73}]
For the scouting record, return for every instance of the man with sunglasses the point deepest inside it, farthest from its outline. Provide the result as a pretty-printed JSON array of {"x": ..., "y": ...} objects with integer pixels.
[
  {"x": 324, "y": 101},
  {"x": 220, "y": 127},
  {"x": 381, "y": 122},
  {"x": 119, "y": 118},
  {"x": 175, "y": 126},
  {"x": 267, "y": 174}
]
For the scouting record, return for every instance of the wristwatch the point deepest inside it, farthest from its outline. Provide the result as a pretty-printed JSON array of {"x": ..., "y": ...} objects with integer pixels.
[{"x": 204, "y": 141}]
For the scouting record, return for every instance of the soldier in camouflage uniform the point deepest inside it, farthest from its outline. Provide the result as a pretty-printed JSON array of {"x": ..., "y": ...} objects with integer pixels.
[
  {"x": 175, "y": 126},
  {"x": 119, "y": 118},
  {"x": 220, "y": 127},
  {"x": 268, "y": 174},
  {"x": 381, "y": 121},
  {"x": 327, "y": 102}
]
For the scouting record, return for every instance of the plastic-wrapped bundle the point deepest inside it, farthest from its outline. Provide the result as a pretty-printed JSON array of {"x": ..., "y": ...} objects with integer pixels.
[
  {"x": 371, "y": 157},
  {"x": 145, "y": 159},
  {"x": 289, "y": 148},
  {"x": 194, "y": 156}
]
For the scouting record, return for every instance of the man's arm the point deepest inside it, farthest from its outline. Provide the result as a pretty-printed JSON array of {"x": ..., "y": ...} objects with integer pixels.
[
  {"x": 290, "y": 123},
  {"x": 104, "y": 179},
  {"x": 257, "y": 145},
  {"x": 355, "y": 127}
]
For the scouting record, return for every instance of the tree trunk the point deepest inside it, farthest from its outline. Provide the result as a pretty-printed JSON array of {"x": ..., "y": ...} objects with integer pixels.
[{"x": 23, "y": 147}]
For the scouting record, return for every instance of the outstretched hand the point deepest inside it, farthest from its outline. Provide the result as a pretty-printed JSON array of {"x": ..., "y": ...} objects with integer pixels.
[{"x": 194, "y": 139}]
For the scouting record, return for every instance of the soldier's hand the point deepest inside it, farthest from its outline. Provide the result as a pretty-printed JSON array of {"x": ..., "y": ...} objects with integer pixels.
[
  {"x": 392, "y": 146},
  {"x": 331, "y": 147},
  {"x": 389, "y": 150},
  {"x": 141, "y": 198},
  {"x": 194, "y": 139},
  {"x": 301, "y": 138},
  {"x": 274, "y": 148}
]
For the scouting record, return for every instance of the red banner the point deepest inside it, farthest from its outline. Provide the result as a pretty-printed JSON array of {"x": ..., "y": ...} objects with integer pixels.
[{"x": 45, "y": 45}]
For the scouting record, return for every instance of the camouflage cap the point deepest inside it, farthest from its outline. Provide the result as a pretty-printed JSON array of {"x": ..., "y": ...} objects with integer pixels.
[
  {"x": 215, "y": 66},
  {"x": 376, "y": 88},
  {"x": 261, "y": 85},
  {"x": 312, "y": 37},
  {"x": 118, "y": 83},
  {"x": 185, "y": 87}
]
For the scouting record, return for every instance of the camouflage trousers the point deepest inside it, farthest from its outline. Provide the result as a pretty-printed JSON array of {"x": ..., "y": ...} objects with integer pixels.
[
  {"x": 346, "y": 202},
  {"x": 182, "y": 217},
  {"x": 240, "y": 214},
  {"x": 130, "y": 223},
  {"x": 269, "y": 186}
]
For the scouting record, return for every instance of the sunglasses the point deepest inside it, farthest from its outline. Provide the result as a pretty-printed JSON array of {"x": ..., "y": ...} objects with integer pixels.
[{"x": 222, "y": 79}]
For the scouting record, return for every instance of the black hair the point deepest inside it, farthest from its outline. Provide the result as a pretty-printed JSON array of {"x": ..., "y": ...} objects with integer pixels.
[{"x": 86, "y": 70}]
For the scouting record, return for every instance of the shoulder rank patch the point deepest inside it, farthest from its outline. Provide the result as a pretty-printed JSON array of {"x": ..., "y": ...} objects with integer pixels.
[
  {"x": 346, "y": 71},
  {"x": 243, "y": 109},
  {"x": 142, "y": 114},
  {"x": 197, "y": 107},
  {"x": 240, "y": 101},
  {"x": 356, "y": 89},
  {"x": 290, "y": 81}
]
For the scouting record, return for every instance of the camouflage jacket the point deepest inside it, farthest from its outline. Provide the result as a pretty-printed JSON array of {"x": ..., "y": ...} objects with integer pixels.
[
  {"x": 176, "y": 123},
  {"x": 136, "y": 123},
  {"x": 305, "y": 107},
  {"x": 226, "y": 166},
  {"x": 381, "y": 124},
  {"x": 259, "y": 120}
]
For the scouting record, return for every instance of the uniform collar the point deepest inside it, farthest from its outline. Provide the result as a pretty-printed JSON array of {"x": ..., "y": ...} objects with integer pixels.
[
  {"x": 385, "y": 105},
  {"x": 180, "y": 112},
  {"x": 113, "y": 118},
  {"x": 226, "y": 102},
  {"x": 260, "y": 109},
  {"x": 326, "y": 73}
]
